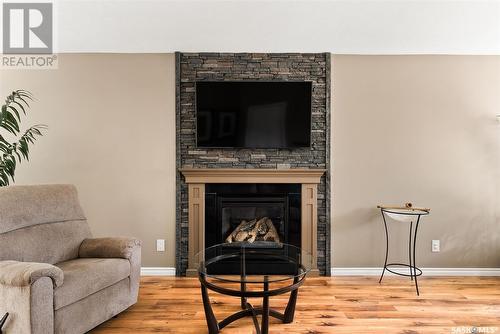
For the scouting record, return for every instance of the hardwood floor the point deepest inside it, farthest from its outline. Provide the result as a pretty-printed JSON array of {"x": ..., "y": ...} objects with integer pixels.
[{"x": 326, "y": 305}]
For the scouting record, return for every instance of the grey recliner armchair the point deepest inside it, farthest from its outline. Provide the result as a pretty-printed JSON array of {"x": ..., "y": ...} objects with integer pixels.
[{"x": 54, "y": 277}]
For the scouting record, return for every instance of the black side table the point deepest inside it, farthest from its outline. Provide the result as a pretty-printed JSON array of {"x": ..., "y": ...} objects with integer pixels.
[{"x": 406, "y": 214}]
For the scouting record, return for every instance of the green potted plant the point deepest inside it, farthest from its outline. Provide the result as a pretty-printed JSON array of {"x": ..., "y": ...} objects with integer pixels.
[{"x": 15, "y": 144}]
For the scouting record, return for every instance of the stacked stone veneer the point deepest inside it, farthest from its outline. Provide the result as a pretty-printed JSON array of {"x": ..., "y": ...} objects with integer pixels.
[{"x": 192, "y": 67}]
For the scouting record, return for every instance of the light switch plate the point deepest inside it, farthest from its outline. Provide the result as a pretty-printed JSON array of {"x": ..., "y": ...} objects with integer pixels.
[
  {"x": 436, "y": 246},
  {"x": 160, "y": 245}
]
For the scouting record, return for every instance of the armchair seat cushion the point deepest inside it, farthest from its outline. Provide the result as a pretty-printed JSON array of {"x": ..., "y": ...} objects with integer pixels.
[{"x": 83, "y": 277}]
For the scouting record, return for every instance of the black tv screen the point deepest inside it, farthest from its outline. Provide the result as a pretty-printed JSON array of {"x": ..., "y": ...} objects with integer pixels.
[{"x": 253, "y": 114}]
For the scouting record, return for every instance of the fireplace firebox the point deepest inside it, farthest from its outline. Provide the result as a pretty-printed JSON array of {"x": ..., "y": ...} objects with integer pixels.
[{"x": 260, "y": 215}]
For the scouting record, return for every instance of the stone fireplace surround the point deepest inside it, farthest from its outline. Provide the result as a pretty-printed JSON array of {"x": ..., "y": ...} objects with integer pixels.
[{"x": 309, "y": 167}]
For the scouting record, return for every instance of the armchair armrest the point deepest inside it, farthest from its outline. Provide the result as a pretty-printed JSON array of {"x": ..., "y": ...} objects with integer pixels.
[
  {"x": 27, "y": 294},
  {"x": 109, "y": 247},
  {"x": 126, "y": 248},
  {"x": 19, "y": 274}
]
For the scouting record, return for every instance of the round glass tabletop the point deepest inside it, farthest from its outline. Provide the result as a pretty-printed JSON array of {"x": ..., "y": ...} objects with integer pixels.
[{"x": 257, "y": 262}]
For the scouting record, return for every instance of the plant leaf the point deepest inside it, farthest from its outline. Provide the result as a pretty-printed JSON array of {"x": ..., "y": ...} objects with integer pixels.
[{"x": 12, "y": 153}]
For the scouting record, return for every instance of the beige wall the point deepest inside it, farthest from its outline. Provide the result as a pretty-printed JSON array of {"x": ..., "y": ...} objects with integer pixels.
[
  {"x": 111, "y": 132},
  {"x": 405, "y": 128},
  {"x": 419, "y": 129}
]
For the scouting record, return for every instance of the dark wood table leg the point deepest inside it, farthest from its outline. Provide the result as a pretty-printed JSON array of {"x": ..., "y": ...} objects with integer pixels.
[
  {"x": 213, "y": 327},
  {"x": 290, "y": 307},
  {"x": 265, "y": 309}
]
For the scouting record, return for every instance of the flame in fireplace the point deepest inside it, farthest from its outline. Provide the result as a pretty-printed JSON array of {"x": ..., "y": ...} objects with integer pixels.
[{"x": 254, "y": 230}]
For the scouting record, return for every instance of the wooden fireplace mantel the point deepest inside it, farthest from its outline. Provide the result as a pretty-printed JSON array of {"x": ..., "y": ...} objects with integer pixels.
[
  {"x": 229, "y": 175},
  {"x": 196, "y": 178}
]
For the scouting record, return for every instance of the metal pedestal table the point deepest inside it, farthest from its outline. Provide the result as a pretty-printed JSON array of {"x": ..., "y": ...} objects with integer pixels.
[{"x": 406, "y": 214}]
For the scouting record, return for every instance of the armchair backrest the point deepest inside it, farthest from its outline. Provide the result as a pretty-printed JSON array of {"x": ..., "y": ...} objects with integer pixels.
[{"x": 41, "y": 223}]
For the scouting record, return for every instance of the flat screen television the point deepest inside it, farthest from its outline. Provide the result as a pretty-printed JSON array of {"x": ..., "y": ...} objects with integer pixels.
[{"x": 253, "y": 114}]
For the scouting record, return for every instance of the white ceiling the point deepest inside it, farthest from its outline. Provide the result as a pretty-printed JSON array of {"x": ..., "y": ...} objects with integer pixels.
[{"x": 342, "y": 27}]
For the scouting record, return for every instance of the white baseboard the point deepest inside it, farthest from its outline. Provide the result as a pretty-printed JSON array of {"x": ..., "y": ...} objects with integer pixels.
[
  {"x": 374, "y": 271},
  {"x": 360, "y": 271},
  {"x": 157, "y": 271}
]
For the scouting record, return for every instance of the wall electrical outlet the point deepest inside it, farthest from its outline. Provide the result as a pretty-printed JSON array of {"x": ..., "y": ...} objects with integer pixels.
[
  {"x": 160, "y": 245},
  {"x": 436, "y": 246}
]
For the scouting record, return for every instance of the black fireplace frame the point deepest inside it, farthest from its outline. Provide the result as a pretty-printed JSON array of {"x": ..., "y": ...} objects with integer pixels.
[
  {"x": 240, "y": 194},
  {"x": 219, "y": 196}
]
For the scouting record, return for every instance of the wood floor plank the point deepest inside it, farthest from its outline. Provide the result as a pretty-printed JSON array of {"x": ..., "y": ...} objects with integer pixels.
[{"x": 325, "y": 305}]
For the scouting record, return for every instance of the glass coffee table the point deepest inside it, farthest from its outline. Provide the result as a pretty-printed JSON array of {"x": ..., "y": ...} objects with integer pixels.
[{"x": 248, "y": 270}]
